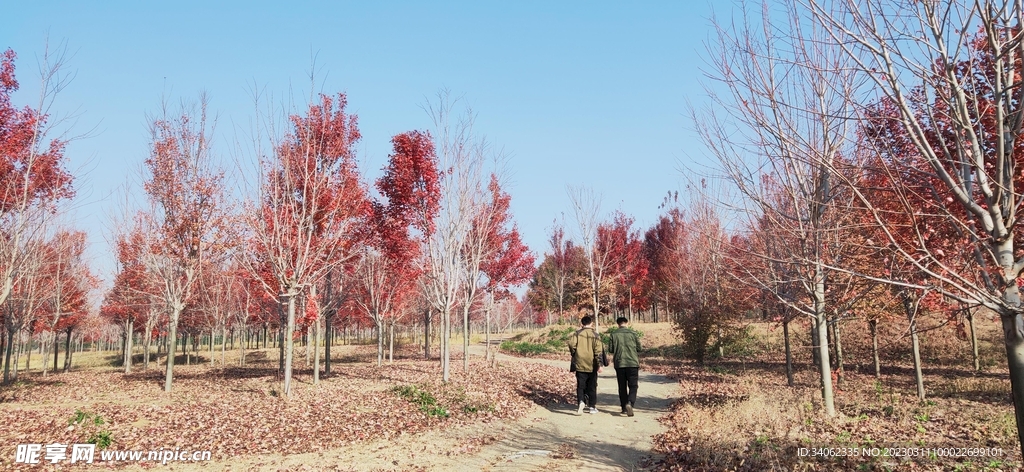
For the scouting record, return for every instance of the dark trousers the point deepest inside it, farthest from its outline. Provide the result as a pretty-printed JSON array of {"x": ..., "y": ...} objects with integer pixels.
[
  {"x": 627, "y": 377},
  {"x": 586, "y": 388}
]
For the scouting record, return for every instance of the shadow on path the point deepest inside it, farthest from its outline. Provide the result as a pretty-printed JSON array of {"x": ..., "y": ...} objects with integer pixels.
[{"x": 554, "y": 438}]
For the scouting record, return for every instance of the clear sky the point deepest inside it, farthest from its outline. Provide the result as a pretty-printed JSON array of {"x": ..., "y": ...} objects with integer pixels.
[{"x": 576, "y": 93}]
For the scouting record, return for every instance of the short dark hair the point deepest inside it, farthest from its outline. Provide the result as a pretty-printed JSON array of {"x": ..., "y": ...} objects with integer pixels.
[
  {"x": 586, "y": 320},
  {"x": 622, "y": 320}
]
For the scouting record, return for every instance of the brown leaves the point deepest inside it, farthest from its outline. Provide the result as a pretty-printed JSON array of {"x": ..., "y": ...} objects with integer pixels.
[{"x": 232, "y": 414}]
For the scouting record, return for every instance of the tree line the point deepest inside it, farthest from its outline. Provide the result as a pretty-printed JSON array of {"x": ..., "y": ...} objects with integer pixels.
[{"x": 310, "y": 245}]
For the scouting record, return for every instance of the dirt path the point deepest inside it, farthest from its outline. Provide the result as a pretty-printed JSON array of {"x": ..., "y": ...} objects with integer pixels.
[
  {"x": 555, "y": 439},
  {"x": 549, "y": 439}
]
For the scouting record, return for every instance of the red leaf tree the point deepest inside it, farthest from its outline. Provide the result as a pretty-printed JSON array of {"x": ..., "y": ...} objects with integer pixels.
[
  {"x": 186, "y": 215},
  {"x": 32, "y": 178},
  {"x": 390, "y": 266},
  {"x": 310, "y": 206}
]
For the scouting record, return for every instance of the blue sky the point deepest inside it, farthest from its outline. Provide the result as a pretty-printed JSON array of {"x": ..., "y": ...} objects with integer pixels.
[{"x": 575, "y": 93}]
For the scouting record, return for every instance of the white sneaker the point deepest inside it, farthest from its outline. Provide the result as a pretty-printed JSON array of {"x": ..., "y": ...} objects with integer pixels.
[
  {"x": 593, "y": 410},
  {"x": 579, "y": 411}
]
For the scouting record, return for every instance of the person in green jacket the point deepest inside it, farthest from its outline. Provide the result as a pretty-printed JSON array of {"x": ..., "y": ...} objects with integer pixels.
[
  {"x": 624, "y": 346},
  {"x": 585, "y": 347}
]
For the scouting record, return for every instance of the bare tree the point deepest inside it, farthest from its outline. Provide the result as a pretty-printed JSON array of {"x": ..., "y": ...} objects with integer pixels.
[
  {"x": 460, "y": 158},
  {"x": 586, "y": 206},
  {"x": 777, "y": 127},
  {"x": 950, "y": 72}
]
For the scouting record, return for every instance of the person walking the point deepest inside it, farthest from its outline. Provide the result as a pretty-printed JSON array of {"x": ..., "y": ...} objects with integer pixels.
[
  {"x": 624, "y": 346},
  {"x": 586, "y": 347}
]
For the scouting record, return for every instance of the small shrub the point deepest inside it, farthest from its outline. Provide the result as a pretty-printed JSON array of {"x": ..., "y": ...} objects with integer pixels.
[
  {"x": 101, "y": 439},
  {"x": 525, "y": 348},
  {"x": 740, "y": 342},
  {"x": 85, "y": 418},
  {"x": 426, "y": 401},
  {"x": 92, "y": 422}
]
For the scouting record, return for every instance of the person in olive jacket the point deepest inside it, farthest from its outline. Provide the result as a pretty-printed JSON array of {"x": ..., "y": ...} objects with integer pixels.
[
  {"x": 624, "y": 346},
  {"x": 585, "y": 347}
]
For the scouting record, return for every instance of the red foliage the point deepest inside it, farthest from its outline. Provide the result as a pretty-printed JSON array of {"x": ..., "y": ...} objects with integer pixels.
[
  {"x": 313, "y": 199},
  {"x": 507, "y": 261},
  {"x": 26, "y": 169},
  {"x": 128, "y": 298}
]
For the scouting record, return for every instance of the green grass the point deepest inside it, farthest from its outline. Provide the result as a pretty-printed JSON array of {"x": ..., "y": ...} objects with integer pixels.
[
  {"x": 525, "y": 348},
  {"x": 552, "y": 341},
  {"x": 92, "y": 423},
  {"x": 426, "y": 401}
]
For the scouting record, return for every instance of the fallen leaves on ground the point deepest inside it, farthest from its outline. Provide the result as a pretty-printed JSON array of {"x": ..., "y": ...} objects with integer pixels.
[
  {"x": 240, "y": 411},
  {"x": 743, "y": 417}
]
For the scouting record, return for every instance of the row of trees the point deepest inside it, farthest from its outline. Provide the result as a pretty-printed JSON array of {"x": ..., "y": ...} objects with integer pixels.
[
  {"x": 310, "y": 243},
  {"x": 874, "y": 147},
  {"x": 314, "y": 244},
  {"x": 44, "y": 281},
  {"x": 875, "y": 144}
]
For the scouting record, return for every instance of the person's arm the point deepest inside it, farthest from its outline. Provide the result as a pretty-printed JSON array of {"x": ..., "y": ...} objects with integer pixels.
[
  {"x": 611, "y": 344},
  {"x": 637, "y": 338},
  {"x": 573, "y": 343}
]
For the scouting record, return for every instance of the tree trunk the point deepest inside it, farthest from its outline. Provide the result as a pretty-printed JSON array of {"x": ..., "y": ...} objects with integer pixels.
[
  {"x": 327, "y": 345},
  {"x": 837, "y": 337},
  {"x": 279, "y": 339},
  {"x": 918, "y": 375},
  {"x": 172, "y": 336},
  {"x": 316, "y": 351},
  {"x": 391, "y": 342},
  {"x": 815, "y": 345},
  {"x": 974, "y": 341},
  {"x": 721, "y": 347},
  {"x": 789, "y": 355},
  {"x": 7, "y": 355},
  {"x": 224, "y": 344},
  {"x": 446, "y": 336},
  {"x": 426, "y": 333},
  {"x": 67, "y": 350},
  {"x": 289, "y": 344},
  {"x": 1013, "y": 332},
  {"x": 873, "y": 324},
  {"x": 379, "y": 328},
  {"x": 821, "y": 320},
  {"x": 912, "y": 305},
  {"x": 465, "y": 334},
  {"x": 305, "y": 344},
  {"x": 487, "y": 335},
  {"x": 128, "y": 346},
  {"x": 824, "y": 368},
  {"x": 145, "y": 346},
  {"x": 56, "y": 350}
]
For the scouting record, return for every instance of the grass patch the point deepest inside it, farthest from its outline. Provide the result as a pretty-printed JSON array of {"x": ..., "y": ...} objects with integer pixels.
[
  {"x": 525, "y": 348},
  {"x": 425, "y": 400},
  {"x": 93, "y": 425},
  {"x": 551, "y": 340}
]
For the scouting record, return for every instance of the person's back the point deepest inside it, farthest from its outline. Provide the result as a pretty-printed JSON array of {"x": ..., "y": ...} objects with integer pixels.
[
  {"x": 625, "y": 347},
  {"x": 584, "y": 344}
]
